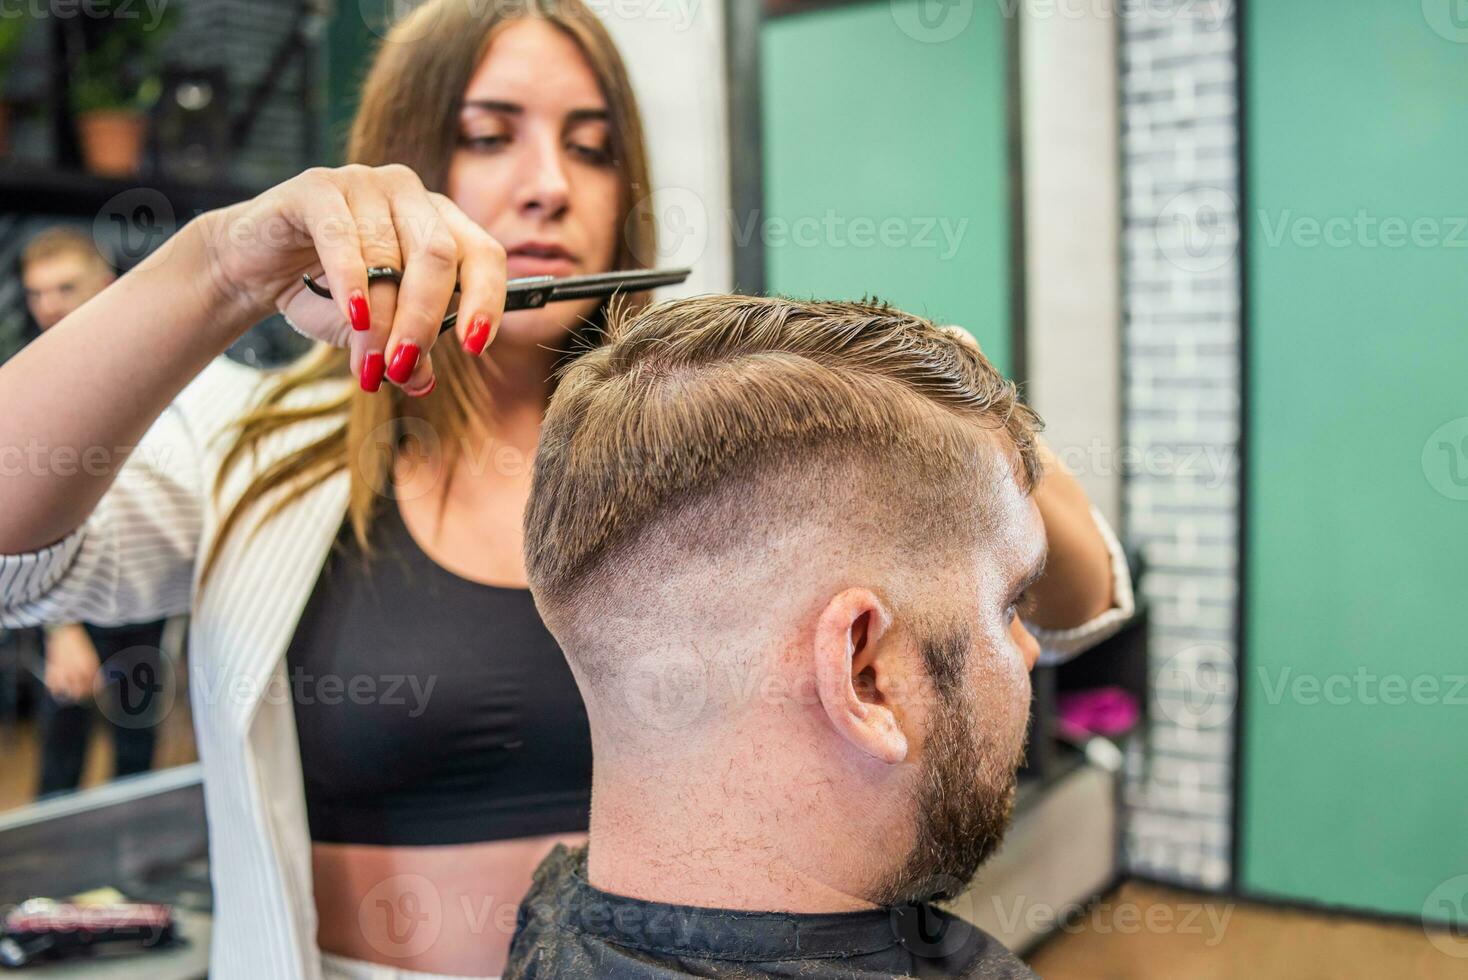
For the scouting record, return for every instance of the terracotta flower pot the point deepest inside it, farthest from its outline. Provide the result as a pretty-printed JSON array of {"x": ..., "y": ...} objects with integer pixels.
[{"x": 112, "y": 141}]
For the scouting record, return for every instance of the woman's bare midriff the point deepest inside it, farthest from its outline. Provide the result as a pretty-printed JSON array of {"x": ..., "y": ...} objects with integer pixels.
[{"x": 448, "y": 909}]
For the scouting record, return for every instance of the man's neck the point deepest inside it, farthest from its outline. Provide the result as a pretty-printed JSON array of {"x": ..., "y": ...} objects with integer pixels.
[{"x": 750, "y": 846}]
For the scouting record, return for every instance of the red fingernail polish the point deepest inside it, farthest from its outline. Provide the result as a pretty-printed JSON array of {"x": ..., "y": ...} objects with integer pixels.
[
  {"x": 432, "y": 382},
  {"x": 477, "y": 335},
  {"x": 404, "y": 360},
  {"x": 361, "y": 315},
  {"x": 372, "y": 370}
]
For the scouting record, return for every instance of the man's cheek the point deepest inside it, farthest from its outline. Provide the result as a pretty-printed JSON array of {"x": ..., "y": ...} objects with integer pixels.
[{"x": 1008, "y": 700}]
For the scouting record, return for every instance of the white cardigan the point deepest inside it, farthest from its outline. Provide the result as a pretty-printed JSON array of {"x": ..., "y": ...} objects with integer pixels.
[{"x": 138, "y": 557}]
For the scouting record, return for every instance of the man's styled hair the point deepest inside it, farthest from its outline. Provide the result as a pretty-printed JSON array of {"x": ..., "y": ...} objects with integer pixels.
[
  {"x": 713, "y": 423},
  {"x": 62, "y": 240}
]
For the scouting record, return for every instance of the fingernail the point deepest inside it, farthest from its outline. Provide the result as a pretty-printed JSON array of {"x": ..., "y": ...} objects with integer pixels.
[
  {"x": 433, "y": 381},
  {"x": 477, "y": 335},
  {"x": 361, "y": 315},
  {"x": 372, "y": 370},
  {"x": 404, "y": 360}
]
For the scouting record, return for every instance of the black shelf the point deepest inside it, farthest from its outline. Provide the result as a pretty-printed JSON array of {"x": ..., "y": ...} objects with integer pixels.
[{"x": 34, "y": 189}]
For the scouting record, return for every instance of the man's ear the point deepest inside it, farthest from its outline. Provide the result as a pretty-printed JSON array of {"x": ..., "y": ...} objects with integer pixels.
[{"x": 858, "y": 672}]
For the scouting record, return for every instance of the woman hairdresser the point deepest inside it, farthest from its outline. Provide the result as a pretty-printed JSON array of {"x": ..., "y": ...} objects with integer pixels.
[
  {"x": 390, "y": 738},
  {"x": 389, "y": 748}
]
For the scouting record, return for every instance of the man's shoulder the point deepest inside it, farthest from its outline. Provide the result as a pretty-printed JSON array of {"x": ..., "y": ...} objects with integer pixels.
[
  {"x": 532, "y": 948},
  {"x": 554, "y": 938},
  {"x": 558, "y": 930}
]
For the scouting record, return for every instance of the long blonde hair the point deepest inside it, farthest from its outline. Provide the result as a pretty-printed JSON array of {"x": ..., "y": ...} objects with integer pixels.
[{"x": 409, "y": 114}]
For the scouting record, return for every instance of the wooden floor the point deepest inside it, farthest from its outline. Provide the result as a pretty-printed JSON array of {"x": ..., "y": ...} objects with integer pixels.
[{"x": 1146, "y": 932}]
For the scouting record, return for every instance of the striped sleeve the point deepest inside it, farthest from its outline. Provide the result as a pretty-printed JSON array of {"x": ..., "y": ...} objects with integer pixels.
[
  {"x": 1058, "y": 646},
  {"x": 132, "y": 560}
]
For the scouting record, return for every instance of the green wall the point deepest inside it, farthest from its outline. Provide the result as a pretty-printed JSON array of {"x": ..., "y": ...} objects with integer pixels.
[
  {"x": 1357, "y": 561},
  {"x": 885, "y": 162},
  {"x": 351, "y": 43}
]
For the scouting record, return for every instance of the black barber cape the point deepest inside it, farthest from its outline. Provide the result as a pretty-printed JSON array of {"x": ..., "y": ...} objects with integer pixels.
[{"x": 567, "y": 928}]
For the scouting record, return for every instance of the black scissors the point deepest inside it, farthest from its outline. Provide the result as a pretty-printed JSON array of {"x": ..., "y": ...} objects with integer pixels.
[{"x": 533, "y": 292}]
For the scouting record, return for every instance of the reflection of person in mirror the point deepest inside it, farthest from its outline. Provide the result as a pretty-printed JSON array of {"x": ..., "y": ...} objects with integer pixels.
[
  {"x": 60, "y": 269},
  {"x": 75, "y": 654}
]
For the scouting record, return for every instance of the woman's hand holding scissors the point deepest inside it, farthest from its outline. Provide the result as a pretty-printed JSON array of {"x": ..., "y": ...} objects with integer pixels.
[{"x": 334, "y": 224}]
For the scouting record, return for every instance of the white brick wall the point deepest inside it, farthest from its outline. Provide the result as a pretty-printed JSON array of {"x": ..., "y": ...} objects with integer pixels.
[{"x": 1181, "y": 418}]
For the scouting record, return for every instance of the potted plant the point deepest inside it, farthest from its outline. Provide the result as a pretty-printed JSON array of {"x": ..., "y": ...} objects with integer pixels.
[
  {"x": 116, "y": 81},
  {"x": 12, "y": 33}
]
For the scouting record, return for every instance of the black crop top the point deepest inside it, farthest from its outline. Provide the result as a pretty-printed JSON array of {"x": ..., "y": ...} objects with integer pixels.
[{"x": 431, "y": 709}]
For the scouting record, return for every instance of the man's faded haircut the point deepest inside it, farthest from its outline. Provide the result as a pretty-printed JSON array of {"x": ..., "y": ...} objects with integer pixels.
[{"x": 708, "y": 425}]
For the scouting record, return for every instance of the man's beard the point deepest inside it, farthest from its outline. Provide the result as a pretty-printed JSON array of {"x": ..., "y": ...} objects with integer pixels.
[{"x": 965, "y": 793}]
